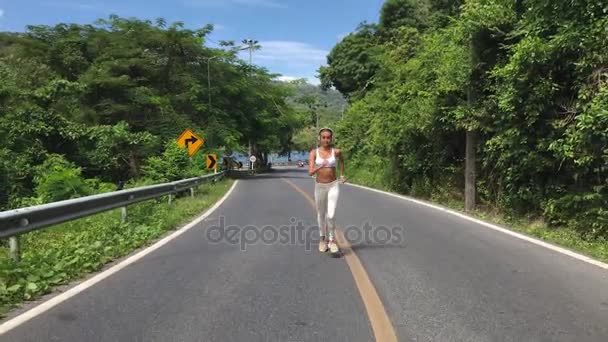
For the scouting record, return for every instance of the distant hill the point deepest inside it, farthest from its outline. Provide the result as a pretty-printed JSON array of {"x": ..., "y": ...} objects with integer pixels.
[
  {"x": 330, "y": 105},
  {"x": 331, "y": 102}
]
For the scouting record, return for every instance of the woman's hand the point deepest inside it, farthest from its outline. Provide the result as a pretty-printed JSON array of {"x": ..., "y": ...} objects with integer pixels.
[
  {"x": 315, "y": 170},
  {"x": 324, "y": 164}
]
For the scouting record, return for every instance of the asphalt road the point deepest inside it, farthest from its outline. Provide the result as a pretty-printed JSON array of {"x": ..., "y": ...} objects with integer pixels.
[{"x": 440, "y": 278}]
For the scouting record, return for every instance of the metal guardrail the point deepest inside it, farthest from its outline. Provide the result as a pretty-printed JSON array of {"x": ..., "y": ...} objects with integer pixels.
[
  {"x": 23, "y": 220},
  {"x": 288, "y": 163}
]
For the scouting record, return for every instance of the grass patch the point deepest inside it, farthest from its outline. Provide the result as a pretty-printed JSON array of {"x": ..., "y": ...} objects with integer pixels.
[
  {"x": 366, "y": 175},
  {"x": 68, "y": 251},
  {"x": 533, "y": 227},
  {"x": 564, "y": 237}
]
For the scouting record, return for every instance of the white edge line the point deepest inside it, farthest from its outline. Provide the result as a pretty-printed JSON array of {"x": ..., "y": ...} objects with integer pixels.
[
  {"x": 39, "y": 309},
  {"x": 495, "y": 227}
]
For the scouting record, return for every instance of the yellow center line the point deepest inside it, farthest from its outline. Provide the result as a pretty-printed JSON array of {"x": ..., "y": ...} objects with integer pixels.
[{"x": 381, "y": 324}]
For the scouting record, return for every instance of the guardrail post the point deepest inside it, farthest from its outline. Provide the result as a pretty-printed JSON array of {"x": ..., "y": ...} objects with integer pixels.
[
  {"x": 191, "y": 192},
  {"x": 170, "y": 198},
  {"x": 15, "y": 251},
  {"x": 123, "y": 214}
]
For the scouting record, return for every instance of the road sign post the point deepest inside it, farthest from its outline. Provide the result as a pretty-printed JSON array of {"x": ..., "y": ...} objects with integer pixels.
[{"x": 252, "y": 160}]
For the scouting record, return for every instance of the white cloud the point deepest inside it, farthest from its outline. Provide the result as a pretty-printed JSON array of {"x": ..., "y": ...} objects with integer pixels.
[
  {"x": 295, "y": 60},
  {"x": 311, "y": 80},
  {"x": 1, "y": 13},
  {"x": 250, "y": 3},
  {"x": 286, "y": 78},
  {"x": 296, "y": 53},
  {"x": 83, "y": 6},
  {"x": 314, "y": 81}
]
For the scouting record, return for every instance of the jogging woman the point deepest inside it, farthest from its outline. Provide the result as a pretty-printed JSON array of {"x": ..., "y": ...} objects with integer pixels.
[{"x": 322, "y": 166}]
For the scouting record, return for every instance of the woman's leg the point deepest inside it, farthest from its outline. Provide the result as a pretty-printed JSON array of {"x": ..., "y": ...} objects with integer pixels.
[
  {"x": 321, "y": 203},
  {"x": 332, "y": 202}
]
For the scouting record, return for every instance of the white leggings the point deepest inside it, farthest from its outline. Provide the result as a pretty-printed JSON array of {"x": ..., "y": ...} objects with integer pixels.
[{"x": 326, "y": 198}]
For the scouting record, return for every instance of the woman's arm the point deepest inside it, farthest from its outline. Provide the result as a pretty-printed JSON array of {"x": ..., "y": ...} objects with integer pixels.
[{"x": 341, "y": 159}]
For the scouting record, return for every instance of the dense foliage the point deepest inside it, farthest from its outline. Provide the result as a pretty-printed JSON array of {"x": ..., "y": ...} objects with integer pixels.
[
  {"x": 84, "y": 107},
  {"x": 328, "y": 105},
  {"x": 530, "y": 77}
]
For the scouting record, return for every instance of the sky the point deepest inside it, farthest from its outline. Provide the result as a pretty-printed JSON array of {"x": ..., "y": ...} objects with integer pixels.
[{"x": 295, "y": 35}]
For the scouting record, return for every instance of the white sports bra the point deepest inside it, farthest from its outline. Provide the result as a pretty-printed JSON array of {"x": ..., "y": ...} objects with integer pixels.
[{"x": 331, "y": 162}]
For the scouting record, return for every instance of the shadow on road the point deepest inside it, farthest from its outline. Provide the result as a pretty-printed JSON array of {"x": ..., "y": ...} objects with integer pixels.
[
  {"x": 266, "y": 176},
  {"x": 291, "y": 173},
  {"x": 359, "y": 247}
]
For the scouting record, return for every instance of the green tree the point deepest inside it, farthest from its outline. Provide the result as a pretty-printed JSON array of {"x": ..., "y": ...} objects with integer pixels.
[
  {"x": 398, "y": 13},
  {"x": 106, "y": 96},
  {"x": 352, "y": 63},
  {"x": 525, "y": 78}
]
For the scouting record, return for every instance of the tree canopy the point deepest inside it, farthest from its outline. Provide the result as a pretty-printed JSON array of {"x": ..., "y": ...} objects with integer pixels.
[
  {"x": 108, "y": 96},
  {"x": 528, "y": 76}
]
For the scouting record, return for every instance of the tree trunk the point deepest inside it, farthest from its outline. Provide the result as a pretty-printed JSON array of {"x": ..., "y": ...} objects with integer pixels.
[
  {"x": 250, "y": 153},
  {"x": 469, "y": 177},
  {"x": 469, "y": 185},
  {"x": 133, "y": 165}
]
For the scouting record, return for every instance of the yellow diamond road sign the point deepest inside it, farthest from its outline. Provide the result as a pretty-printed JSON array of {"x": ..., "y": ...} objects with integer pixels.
[
  {"x": 190, "y": 141},
  {"x": 211, "y": 161}
]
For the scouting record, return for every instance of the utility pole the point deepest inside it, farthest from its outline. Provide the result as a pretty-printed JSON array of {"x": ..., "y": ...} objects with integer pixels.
[
  {"x": 209, "y": 78},
  {"x": 251, "y": 44}
]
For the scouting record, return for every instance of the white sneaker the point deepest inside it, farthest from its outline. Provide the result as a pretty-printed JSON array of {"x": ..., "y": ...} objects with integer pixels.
[
  {"x": 333, "y": 246},
  {"x": 322, "y": 246}
]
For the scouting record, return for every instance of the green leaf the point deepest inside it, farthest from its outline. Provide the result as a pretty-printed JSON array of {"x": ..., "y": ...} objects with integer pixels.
[
  {"x": 33, "y": 278},
  {"x": 13, "y": 289}
]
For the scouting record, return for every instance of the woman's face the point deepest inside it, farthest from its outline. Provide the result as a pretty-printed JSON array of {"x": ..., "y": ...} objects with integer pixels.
[{"x": 325, "y": 138}]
